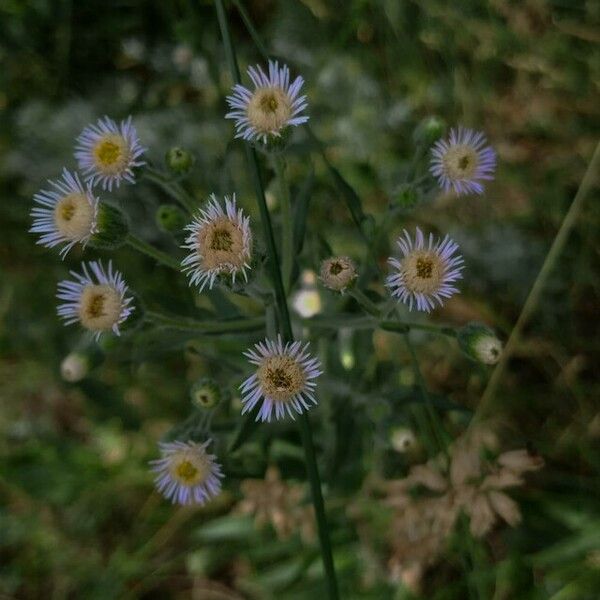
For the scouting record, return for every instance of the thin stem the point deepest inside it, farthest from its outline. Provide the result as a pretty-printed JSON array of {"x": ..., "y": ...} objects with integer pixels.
[
  {"x": 158, "y": 255},
  {"x": 213, "y": 326},
  {"x": 404, "y": 326},
  {"x": 436, "y": 426},
  {"x": 534, "y": 295},
  {"x": 284, "y": 322},
  {"x": 365, "y": 302},
  {"x": 251, "y": 29},
  {"x": 287, "y": 225},
  {"x": 172, "y": 188}
]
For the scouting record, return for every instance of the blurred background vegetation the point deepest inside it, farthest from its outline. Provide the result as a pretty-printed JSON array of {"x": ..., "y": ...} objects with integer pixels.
[{"x": 78, "y": 515}]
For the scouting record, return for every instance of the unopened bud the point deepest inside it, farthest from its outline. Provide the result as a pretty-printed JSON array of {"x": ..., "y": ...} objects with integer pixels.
[
  {"x": 170, "y": 218},
  {"x": 403, "y": 439},
  {"x": 480, "y": 343},
  {"x": 179, "y": 161},
  {"x": 112, "y": 228},
  {"x": 338, "y": 273},
  {"x": 77, "y": 365},
  {"x": 205, "y": 394}
]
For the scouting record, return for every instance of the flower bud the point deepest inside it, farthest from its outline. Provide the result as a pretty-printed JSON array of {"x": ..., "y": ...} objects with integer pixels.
[
  {"x": 338, "y": 273},
  {"x": 205, "y": 393},
  {"x": 403, "y": 439},
  {"x": 112, "y": 228},
  {"x": 407, "y": 197},
  {"x": 77, "y": 364},
  {"x": 170, "y": 218},
  {"x": 429, "y": 130},
  {"x": 179, "y": 161},
  {"x": 480, "y": 343}
]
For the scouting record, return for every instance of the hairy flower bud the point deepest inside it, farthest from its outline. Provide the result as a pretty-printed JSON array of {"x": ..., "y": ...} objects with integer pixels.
[
  {"x": 112, "y": 228},
  {"x": 480, "y": 343},
  {"x": 77, "y": 364},
  {"x": 205, "y": 393},
  {"x": 179, "y": 161},
  {"x": 338, "y": 273},
  {"x": 170, "y": 218}
]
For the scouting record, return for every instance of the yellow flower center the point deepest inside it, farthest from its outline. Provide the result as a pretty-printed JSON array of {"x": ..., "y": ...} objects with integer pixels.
[
  {"x": 189, "y": 468},
  {"x": 111, "y": 154},
  {"x": 281, "y": 377},
  {"x": 99, "y": 307},
  {"x": 74, "y": 216},
  {"x": 423, "y": 271},
  {"x": 221, "y": 245},
  {"x": 269, "y": 110},
  {"x": 460, "y": 162}
]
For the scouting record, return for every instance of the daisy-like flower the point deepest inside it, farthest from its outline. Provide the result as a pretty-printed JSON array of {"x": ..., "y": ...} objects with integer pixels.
[
  {"x": 96, "y": 299},
  {"x": 273, "y": 105},
  {"x": 66, "y": 214},
  {"x": 186, "y": 473},
  {"x": 463, "y": 161},
  {"x": 107, "y": 152},
  {"x": 284, "y": 379},
  {"x": 220, "y": 242},
  {"x": 426, "y": 271}
]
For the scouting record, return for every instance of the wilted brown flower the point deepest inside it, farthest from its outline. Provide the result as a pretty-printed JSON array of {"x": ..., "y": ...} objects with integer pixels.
[{"x": 277, "y": 502}]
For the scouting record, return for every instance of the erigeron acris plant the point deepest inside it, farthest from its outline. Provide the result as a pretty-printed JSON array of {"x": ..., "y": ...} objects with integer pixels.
[{"x": 221, "y": 243}]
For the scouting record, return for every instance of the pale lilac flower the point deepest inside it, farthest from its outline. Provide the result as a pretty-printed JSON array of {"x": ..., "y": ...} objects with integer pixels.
[
  {"x": 66, "y": 214},
  {"x": 107, "y": 152},
  {"x": 426, "y": 271},
  {"x": 463, "y": 161},
  {"x": 186, "y": 473},
  {"x": 220, "y": 242},
  {"x": 284, "y": 379},
  {"x": 273, "y": 105},
  {"x": 97, "y": 299}
]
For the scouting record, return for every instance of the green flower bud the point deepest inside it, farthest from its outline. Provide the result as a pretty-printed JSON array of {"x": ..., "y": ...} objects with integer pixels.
[
  {"x": 170, "y": 218},
  {"x": 403, "y": 439},
  {"x": 429, "y": 130},
  {"x": 205, "y": 394},
  {"x": 77, "y": 364},
  {"x": 112, "y": 228},
  {"x": 179, "y": 161},
  {"x": 480, "y": 343},
  {"x": 408, "y": 197}
]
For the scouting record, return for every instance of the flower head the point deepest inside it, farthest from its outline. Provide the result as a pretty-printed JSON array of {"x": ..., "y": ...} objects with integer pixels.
[
  {"x": 284, "y": 379},
  {"x": 107, "y": 152},
  {"x": 186, "y": 473},
  {"x": 220, "y": 242},
  {"x": 463, "y": 161},
  {"x": 273, "y": 105},
  {"x": 425, "y": 272},
  {"x": 338, "y": 273},
  {"x": 66, "y": 214},
  {"x": 96, "y": 299}
]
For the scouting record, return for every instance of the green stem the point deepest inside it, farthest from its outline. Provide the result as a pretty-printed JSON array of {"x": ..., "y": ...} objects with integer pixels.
[
  {"x": 365, "y": 302},
  {"x": 172, "y": 188},
  {"x": 251, "y": 29},
  {"x": 287, "y": 225},
  {"x": 534, "y": 295},
  {"x": 437, "y": 428},
  {"x": 284, "y": 323},
  {"x": 404, "y": 326},
  {"x": 158, "y": 255},
  {"x": 212, "y": 326}
]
